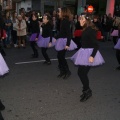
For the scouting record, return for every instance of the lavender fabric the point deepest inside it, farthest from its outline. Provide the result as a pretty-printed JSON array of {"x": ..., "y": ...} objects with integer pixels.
[
  {"x": 61, "y": 43},
  {"x": 117, "y": 46},
  {"x": 33, "y": 37},
  {"x": 114, "y": 33},
  {"x": 81, "y": 57},
  {"x": 44, "y": 42},
  {"x": 3, "y": 66}
]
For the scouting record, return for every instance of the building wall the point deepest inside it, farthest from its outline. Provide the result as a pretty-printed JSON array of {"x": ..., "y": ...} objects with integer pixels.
[
  {"x": 27, "y": 5},
  {"x": 47, "y": 5},
  {"x": 36, "y": 5}
]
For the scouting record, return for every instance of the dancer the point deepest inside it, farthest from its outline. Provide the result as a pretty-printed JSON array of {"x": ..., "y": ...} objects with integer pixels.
[
  {"x": 34, "y": 27},
  {"x": 46, "y": 40},
  {"x": 88, "y": 55},
  {"x": 117, "y": 47},
  {"x": 64, "y": 42}
]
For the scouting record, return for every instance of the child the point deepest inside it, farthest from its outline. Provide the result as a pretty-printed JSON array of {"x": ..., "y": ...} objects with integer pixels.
[
  {"x": 64, "y": 42},
  {"x": 34, "y": 26},
  {"x": 46, "y": 40},
  {"x": 88, "y": 55}
]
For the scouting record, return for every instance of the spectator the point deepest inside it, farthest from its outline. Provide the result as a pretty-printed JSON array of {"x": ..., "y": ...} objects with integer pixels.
[
  {"x": 54, "y": 26},
  {"x": 21, "y": 31},
  {"x": 14, "y": 31},
  {"x": 8, "y": 28}
]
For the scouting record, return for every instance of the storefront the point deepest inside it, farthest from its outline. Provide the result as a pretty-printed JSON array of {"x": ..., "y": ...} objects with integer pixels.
[{"x": 117, "y": 8}]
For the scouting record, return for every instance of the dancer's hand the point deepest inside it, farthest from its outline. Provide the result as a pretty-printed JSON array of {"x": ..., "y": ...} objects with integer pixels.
[
  {"x": 50, "y": 44},
  {"x": 91, "y": 59},
  {"x": 36, "y": 39},
  {"x": 54, "y": 40},
  {"x": 66, "y": 47},
  {"x": 102, "y": 37}
]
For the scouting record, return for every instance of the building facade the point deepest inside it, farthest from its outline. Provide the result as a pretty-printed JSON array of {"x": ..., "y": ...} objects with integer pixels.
[
  {"x": 6, "y": 4},
  {"x": 76, "y": 6}
]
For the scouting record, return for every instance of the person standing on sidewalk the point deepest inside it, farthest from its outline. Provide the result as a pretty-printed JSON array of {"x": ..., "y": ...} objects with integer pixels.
[
  {"x": 88, "y": 55},
  {"x": 21, "y": 31},
  {"x": 8, "y": 28},
  {"x": 14, "y": 31}
]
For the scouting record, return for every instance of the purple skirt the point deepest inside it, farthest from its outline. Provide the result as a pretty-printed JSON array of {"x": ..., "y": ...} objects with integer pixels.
[
  {"x": 81, "y": 57},
  {"x": 61, "y": 43},
  {"x": 3, "y": 66},
  {"x": 117, "y": 46},
  {"x": 33, "y": 37},
  {"x": 114, "y": 33},
  {"x": 44, "y": 42}
]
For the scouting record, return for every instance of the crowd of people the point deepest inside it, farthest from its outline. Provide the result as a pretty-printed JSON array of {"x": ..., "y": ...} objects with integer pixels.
[{"x": 65, "y": 32}]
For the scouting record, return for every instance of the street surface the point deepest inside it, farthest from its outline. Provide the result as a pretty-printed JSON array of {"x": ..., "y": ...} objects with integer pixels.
[{"x": 32, "y": 91}]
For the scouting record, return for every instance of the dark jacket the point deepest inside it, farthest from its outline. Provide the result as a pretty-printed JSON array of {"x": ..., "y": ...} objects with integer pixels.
[
  {"x": 88, "y": 40},
  {"x": 47, "y": 31},
  {"x": 65, "y": 31}
]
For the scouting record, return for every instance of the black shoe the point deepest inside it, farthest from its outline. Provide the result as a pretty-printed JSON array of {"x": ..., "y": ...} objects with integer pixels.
[
  {"x": 67, "y": 75},
  {"x": 109, "y": 39},
  {"x": 86, "y": 95},
  {"x": 1, "y": 117},
  {"x": 47, "y": 62},
  {"x": 2, "y": 107},
  {"x": 62, "y": 74},
  {"x": 118, "y": 68},
  {"x": 81, "y": 96},
  {"x": 34, "y": 56}
]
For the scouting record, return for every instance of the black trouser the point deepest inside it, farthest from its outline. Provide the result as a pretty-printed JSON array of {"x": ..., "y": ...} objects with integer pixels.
[
  {"x": 77, "y": 40},
  {"x": 115, "y": 39},
  {"x": 82, "y": 73},
  {"x": 14, "y": 36},
  {"x": 63, "y": 66},
  {"x": 1, "y": 49},
  {"x": 44, "y": 53},
  {"x": 118, "y": 55},
  {"x": 33, "y": 46},
  {"x": 1, "y": 117}
]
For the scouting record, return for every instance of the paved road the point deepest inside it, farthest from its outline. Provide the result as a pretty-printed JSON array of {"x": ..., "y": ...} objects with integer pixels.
[{"x": 33, "y": 92}]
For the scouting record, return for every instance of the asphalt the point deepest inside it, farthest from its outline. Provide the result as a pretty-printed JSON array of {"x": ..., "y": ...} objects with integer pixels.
[{"x": 32, "y": 91}]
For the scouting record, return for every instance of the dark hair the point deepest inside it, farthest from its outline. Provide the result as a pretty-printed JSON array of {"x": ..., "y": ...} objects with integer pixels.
[
  {"x": 65, "y": 13},
  {"x": 6, "y": 15},
  {"x": 89, "y": 22},
  {"x": 13, "y": 15},
  {"x": 49, "y": 18},
  {"x": 35, "y": 15}
]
